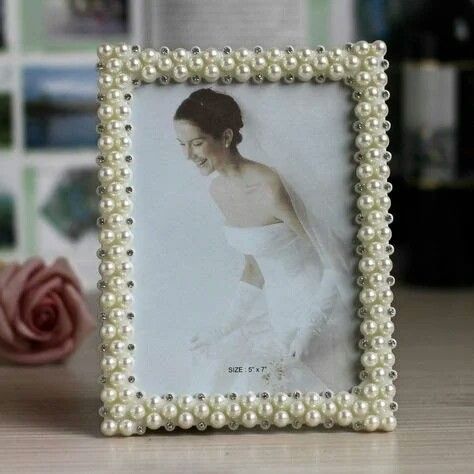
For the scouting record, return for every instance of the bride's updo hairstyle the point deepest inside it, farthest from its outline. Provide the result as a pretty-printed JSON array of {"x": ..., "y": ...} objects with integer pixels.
[{"x": 213, "y": 112}]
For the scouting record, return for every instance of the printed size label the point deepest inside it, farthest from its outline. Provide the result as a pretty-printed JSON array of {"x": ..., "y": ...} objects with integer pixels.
[{"x": 240, "y": 369}]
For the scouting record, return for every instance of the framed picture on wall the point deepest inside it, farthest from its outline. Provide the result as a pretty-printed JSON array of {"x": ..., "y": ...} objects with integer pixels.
[{"x": 244, "y": 238}]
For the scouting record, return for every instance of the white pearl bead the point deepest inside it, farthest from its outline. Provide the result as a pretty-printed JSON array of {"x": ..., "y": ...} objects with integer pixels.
[
  {"x": 179, "y": 55},
  {"x": 363, "y": 78},
  {"x": 227, "y": 64},
  {"x": 371, "y": 63},
  {"x": 107, "y": 331},
  {"x": 217, "y": 419},
  {"x": 297, "y": 409},
  {"x": 185, "y": 420},
  {"x": 126, "y": 267},
  {"x": 388, "y": 391},
  {"x": 123, "y": 143},
  {"x": 376, "y": 280},
  {"x": 305, "y": 72},
  {"x": 387, "y": 327},
  {"x": 378, "y": 374},
  {"x": 290, "y": 63},
  {"x": 125, "y": 331},
  {"x": 380, "y": 79},
  {"x": 114, "y": 127},
  {"x": 360, "y": 408},
  {"x": 321, "y": 63},
  {"x": 169, "y": 411},
  {"x": 375, "y": 218},
  {"x": 273, "y": 72},
  {"x": 367, "y": 296},
  {"x": 375, "y": 186},
  {"x": 366, "y": 233},
  {"x": 116, "y": 283},
  {"x": 137, "y": 412},
  {"x": 107, "y": 300},
  {"x": 312, "y": 418},
  {"x": 372, "y": 124},
  {"x": 363, "y": 109},
  {"x": 105, "y": 81},
  {"x": 180, "y": 73},
  {"x": 259, "y": 63},
  {"x": 123, "y": 50},
  {"x": 106, "y": 174},
  {"x": 368, "y": 327},
  {"x": 274, "y": 54},
  {"x": 105, "y": 112},
  {"x": 123, "y": 81},
  {"x": 233, "y": 410},
  {"x": 105, "y": 143},
  {"x": 361, "y": 48},
  {"x": 149, "y": 56},
  {"x": 369, "y": 359},
  {"x": 115, "y": 220},
  {"x": 117, "y": 347},
  {"x": 366, "y": 265},
  {"x": 108, "y": 395},
  {"x": 133, "y": 65},
  {"x": 388, "y": 423},
  {"x": 118, "y": 411},
  {"x": 242, "y": 55},
  {"x": 336, "y": 54},
  {"x": 377, "y": 312},
  {"x": 379, "y": 47},
  {"x": 380, "y": 109},
  {"x": 265, "y": 409},
  {"x": 344, "y": 417},
  {"x": 249, "y": 419},
  {"x": 108, "y": 363},
  {"x": 154, "y": 421},
  {"x": 125, "y": 363},
  {"x": 155, "y": 402},
  {"x": 280, "y": 399},
  {"x": 201, "y": 410},
  {"x": 249, "y": 400},
  {"x": 364, "y": 171},
  {"x": 387, "y": 359},
  {"x": 312, "y": 399},
  {"x": 109, "y": 427},
  {"x": 104, "y": 51},
  {"x": 127, "y": 427},
  {"x": 380, "y": 406},
  {"x": 305, "y": 54},
  {"x": 211, "y": 54},
  {"x": 364, "y": 140},
  {"x": 243, "y": 72},
  {"x": 376, "y": 249},
  {"x": 336, "y": 71},
  {"x": 351, "y": 62},
  {"x": 149, "y": 73},
  {"x": 126, "y": 395},
  {"x": 344, "y": 399},
  {"x": 328, "y": 408},
  {"x": 217, "y": 401},
  {"x": 195, "y": 63},
  {"x": 365, "y": 202},
  {"x": 372, "y": 422},
  {"x": 116, "y": 314},
  {"x": 281, "y": 418},
  {"x": 114, "y": 95},
  {"x": 370, "y": 391},
  {"x": 371, "y": 93},
  {"x": 211, "y": 73},
  {"x": 164, "y": 64}
]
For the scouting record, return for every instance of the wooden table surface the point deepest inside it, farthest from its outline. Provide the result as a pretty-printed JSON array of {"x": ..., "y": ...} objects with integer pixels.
[{"x": 49, "y": 420}]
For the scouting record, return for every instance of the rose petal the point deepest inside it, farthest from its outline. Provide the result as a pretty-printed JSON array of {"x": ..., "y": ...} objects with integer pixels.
[
  {"x": 64, "y": 327},
  {"x": 81, "y": 316},
  {"x": 60, "y": 268},
  {"x": 29, "y": 301},
  {"x": 52, "y": 354},
  {"x": 12, "y": 289}
]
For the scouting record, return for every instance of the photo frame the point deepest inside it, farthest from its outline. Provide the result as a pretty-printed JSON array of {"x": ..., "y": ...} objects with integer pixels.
[{"x": 163, "y": 264}]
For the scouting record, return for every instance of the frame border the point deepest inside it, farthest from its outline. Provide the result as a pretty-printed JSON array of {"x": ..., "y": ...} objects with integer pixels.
[{"x": 370, "y": 405}]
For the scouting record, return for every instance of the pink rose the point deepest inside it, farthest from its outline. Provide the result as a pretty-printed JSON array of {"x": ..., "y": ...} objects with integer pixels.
[{"x": 43, "y": 313}]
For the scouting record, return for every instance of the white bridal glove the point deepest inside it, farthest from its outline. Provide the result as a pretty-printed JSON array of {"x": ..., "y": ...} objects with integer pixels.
[{"x": 247, "y": 303}]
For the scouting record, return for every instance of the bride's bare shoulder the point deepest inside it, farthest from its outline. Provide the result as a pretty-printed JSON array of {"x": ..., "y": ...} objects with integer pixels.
[{"x": 263, "y": 174}]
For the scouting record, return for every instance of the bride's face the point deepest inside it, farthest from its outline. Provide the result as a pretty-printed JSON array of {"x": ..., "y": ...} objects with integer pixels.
[{"x": 205, "y": 151}]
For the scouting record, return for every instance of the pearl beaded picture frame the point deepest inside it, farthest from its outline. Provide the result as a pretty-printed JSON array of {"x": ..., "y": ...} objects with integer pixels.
[{"x": 127, "y": 409}]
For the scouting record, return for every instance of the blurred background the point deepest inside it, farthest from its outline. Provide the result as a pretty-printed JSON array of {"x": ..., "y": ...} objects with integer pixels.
[{"x": 48, "y": 204}]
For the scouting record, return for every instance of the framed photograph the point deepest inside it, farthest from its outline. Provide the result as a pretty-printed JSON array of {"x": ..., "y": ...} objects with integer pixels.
[{"x": 244, "y": 239}]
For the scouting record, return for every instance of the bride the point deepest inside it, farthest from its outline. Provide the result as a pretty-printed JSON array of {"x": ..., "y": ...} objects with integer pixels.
[{"x": 287, "y": 293}]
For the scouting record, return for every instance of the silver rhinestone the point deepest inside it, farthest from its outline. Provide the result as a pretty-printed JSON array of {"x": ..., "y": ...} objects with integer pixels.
[
  {"x": 104, "y": 347},
  {"x": 101, "y": 253},
  {"x": 141, "y": 429},
  {"x": 100, "y": 159},
  {"x": 389, "y": 218},
  {"x": 297, "y": 394},
  {"x": 233, "y": 425},
  {"x": 100, "y": 128},
  {"x": 356, "y": 390},
  {"x": 201, "y": 426},
  {"x": 131, "y": 379},
  {"x": 360, "y": 249},
  {"x": 169, "y": 397},
  {"x": 265, "y": 424},
  {"x": 362, "y": 312},
  {"x": 320, "y": 78},
  {"x": 328, "y": 394},
  {"x": 357, "y": 126},
  {"x": 227, "y": 50},
  {"x": 169, "y": 426},
  {"x": 129, "y": 220},
  {"x": 164, "y": 50},
  {"x": 227, "y": 79},
  {"x": 296, "y": 424},
  {"x": 100, "y": 190},
  {"x": 360, "y": 282},
  {"x": 130, "y": 252},
  {"x": 357, "y": 425},
  {"x": 103, "y": 411},
  {"x": 358, "y": 157},
  {"x": 386, "y": 125},
  {"x": 385, "y": 95},
  {"x": 357, "y": 95},
  {"x": 349, "y": 80},
  {"x": 393, "y": 406},
  {"x": 264, "y": 395},
  {"x": 289, "y": 78},
  {"x": 348, "y": 47},
  {"x": 102, "y": 316},
  {"x": 391, "y": 281},
  {"x": 363, "y": 375},
  {"x": 195, "y": 79},
  {"x": 320, "y": 49},
  {"x": 393, "y": 374},
  {"x": 164, "y": 79},
  {"x": 99, "y": 66},
  {"x": 128, "y": 127},
  {"x": 129, "y": 190},
  {"x": 389, "y": 249},
  {"x": 289, "y": 49},
  {"x": 128, "y": 158},
  {"x": 385, "y": 64},
  {"x": 135, "y": 48},
  {"x": 139, "y": 395},
  {"x": 102, "y": 379},
  {"x": 232, "y": 396},
  {"x": 359, "y": 188},
  {"x": 391, "y": 311},
  {"x": 136, "y": 82},
  {"x": 392, "y": 343},
  {"x": 328, "y": 423},
  {"x": 131, "y": 347},
  {"x": 258, "y": 49},
  {"x": 195, "y": 50},
  {"x": 359, "y": 218},
  {"x": 201, "y": 396},
  {"x": 130, "y": 284},
  {"x": 100, "y": 97},
  {"x": 127, "y": 96},
  {"x": 258, "y": 78}
]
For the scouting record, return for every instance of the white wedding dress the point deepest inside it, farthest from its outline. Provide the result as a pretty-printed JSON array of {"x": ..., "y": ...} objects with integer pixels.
[{"x": 286, "y": 321}]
